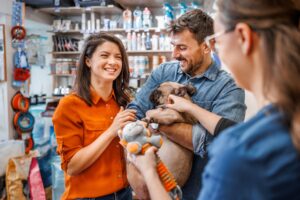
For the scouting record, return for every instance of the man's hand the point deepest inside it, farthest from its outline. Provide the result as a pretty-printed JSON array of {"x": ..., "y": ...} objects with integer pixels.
[{"x": 164, "y": 116}]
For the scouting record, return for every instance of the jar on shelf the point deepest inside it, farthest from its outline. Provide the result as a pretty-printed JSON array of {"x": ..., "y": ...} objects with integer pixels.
[
  {"x": 65, "y": 69},
  {"x": 58, "y": 66}
]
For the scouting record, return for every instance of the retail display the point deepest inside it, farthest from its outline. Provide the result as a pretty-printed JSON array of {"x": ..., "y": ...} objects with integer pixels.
[
  {"x": 21, "y": 72},
  {"x": 23, "y": 120},
  {"x": 146, "y": 44}
]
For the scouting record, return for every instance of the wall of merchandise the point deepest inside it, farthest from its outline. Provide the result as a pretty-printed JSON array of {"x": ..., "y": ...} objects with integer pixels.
[{"x": 141, "y": 29}]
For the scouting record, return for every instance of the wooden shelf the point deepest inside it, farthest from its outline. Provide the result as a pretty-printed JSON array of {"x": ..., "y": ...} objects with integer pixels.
[
  {"x": 77, "y": 10},
  {"x": 129, "y": 52}
]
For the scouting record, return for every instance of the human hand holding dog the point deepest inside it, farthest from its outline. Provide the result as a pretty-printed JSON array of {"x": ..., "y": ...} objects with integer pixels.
[{"x": 179, "y": 104}]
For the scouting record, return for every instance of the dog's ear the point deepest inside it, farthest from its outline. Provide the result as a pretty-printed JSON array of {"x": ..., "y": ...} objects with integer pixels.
[
  {"x": 180, "y": 91},
  {"x": 154, "y": 97},
  {"x": 190, "y": 89}
]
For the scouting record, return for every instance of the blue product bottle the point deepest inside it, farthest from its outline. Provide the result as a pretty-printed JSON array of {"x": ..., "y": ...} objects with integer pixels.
[
  {"x": 183, "y": 9},
  {"x": 137, "y": 18},
  {"x": 169, "y": 16}
]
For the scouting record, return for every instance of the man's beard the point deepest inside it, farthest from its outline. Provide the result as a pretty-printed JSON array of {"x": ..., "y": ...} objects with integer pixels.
[{"x": 191, "y": 68}]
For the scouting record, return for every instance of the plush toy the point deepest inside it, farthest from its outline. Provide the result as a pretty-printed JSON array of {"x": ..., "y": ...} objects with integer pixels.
[{"x": 135, "y": 137}]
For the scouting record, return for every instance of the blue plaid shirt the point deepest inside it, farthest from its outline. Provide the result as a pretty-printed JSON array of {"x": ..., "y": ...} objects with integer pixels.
[{"x": 216, "y": 91}]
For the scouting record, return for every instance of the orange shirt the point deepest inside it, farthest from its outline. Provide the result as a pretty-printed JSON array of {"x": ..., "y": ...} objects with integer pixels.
[{"x": 77, "y": 125}]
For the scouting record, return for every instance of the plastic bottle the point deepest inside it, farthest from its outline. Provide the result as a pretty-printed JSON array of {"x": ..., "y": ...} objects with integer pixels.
[
  {"x": 148, "y": 44},
  {"x": 127, "y": 19},
  {"x": 183, "y": 9},
  {"x": 137, "y": 18},
  {"x": 138, "y": 42},
  {"x": 83, "y": 22},
  {"x": 169, "y": 16},
  {"x": 147, "y": 18},
  {"x": 162, "y": 42},
  {"x": 129, "y": 47},
  {"x": 133, "y": 42},
  {"x": 141, "y": 65},
  {"x": 154, "y": 42},
  {"x": 143, "y": 38},
  {"x": 136, "y": 66}
]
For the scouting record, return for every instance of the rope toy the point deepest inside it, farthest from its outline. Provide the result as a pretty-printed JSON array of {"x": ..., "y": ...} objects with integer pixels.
[
  {"x": 137, "y": 138},
  {"x": 20, "y": 102},
  {"x": 23, "y": 122}
]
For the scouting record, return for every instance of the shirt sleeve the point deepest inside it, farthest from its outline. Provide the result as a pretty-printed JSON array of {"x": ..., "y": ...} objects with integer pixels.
[
  {"x": 223, "y": 124},
  {"x": 142, "y": 102},
  {"x": 68, "y": 130},
  {"x": 229, "y": 103}
]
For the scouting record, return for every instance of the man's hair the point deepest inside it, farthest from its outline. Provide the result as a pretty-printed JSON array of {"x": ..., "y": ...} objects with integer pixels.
[{"x": 196, "y": 21}]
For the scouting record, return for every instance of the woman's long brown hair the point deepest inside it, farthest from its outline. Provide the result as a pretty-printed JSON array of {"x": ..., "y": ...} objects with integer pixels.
[
  {"x": 277, "y": 24},
  {"x": 83, "y": 76}
]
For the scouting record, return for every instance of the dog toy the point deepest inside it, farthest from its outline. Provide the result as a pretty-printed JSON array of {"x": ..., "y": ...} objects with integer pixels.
[{"x": 137, "y": 138}]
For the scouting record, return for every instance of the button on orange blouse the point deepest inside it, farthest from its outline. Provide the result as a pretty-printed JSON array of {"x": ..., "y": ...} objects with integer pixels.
[{"x": 77, "y": 125}]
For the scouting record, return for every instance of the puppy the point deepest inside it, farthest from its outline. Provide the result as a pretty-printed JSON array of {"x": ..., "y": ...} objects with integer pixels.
[{"x": 159, "y": 97}]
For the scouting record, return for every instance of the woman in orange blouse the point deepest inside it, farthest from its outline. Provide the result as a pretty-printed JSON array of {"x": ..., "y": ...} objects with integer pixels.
[{"x": 86, "y": 123}]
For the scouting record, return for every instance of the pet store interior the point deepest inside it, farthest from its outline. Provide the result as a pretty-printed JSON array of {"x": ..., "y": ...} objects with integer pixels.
[{"x": 40, "y": 45}]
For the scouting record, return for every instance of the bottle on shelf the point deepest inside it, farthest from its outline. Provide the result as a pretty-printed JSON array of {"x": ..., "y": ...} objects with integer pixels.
[
  {"x": 169, "y": 16},
  {"x": 129, "y": 46},
  {"x": 83, "y": 21},
  {"x": 133, "y": 41},
  {"x": 182, "y": 9},
  {"x": 139, "y": 42},
  {"x": 127, "y": 19},
  {"x": 155, "y": 41},
  {"x": 148, "y": 44},
  {"x": 143, "y": 37},
  {"x": 162, "y": 42},
  {"x": 146, "y": 18},
  {"x": 137, "y": 18}
]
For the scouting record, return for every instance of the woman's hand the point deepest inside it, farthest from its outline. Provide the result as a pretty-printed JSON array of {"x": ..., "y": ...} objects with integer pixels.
[
  {"x": 146, "y": 163},
  {"x": 178, "y": 103},
  {"x": 122, "y": 118}
]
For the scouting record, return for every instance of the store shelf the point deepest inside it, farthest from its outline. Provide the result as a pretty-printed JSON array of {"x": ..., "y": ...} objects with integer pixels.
[
  {"x": 77, "y": 10},
  {"x": 116, "y": 30},
  {"x": 65, "y": 52},
  {"x": 129, "y": 52},
  {"x": 150, "y": 52},
  {"x": 142, "y": 3},
  {"x": 54, "y": 97},
  {"x": 62, "y": 75}
]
